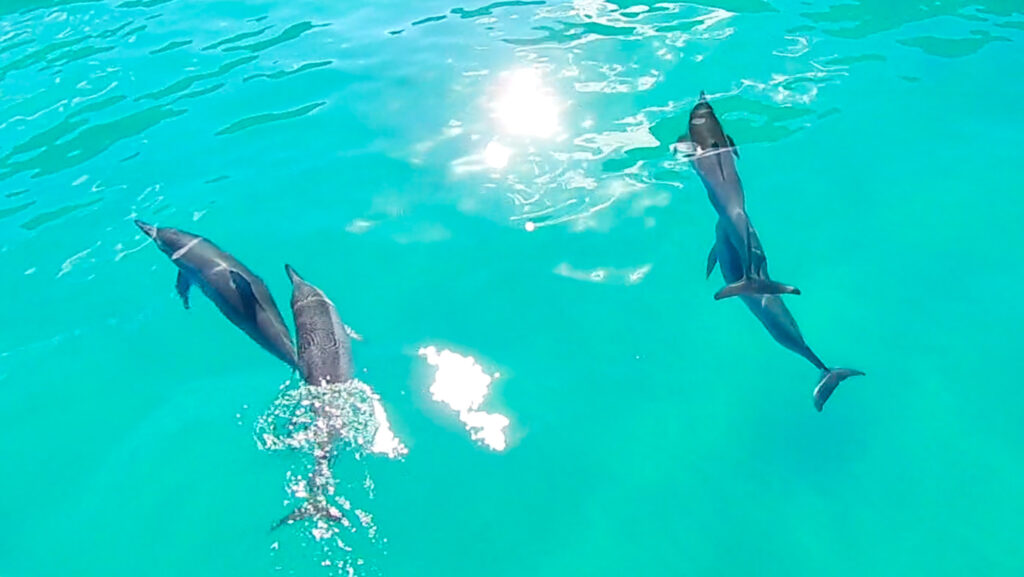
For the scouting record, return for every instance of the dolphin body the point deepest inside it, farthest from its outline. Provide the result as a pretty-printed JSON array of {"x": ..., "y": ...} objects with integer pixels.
[
  {"x": 239, "y": 294},
  {"x": 772, "y": 312},
  {"x": 325, "y": 358},
  {"x": 713, "y": 160}
]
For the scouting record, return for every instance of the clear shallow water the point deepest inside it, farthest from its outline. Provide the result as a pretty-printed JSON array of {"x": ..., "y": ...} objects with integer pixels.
[{"x": 495, "y": 182}]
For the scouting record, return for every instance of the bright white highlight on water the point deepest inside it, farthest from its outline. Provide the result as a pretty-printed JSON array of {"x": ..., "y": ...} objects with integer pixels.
[
  {"x": 463, "y": 385},
  {"x": 524, "y": 106},
  {"x": 497, "y": 155}
]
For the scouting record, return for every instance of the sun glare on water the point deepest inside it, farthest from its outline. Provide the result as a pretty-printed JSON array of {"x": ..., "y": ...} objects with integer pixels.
[
  {"x": 463, "y": 385},
  {"x": 524, "y": 106}
]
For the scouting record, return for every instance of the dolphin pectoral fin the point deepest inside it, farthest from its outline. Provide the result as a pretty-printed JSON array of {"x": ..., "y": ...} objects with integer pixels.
[
  {"x": 352, "y": 334},
  {"x": 732, "y": 144},
  {"x": 755, "y": 286},
  {"x": 829, "y": 381},
  {"x": 182, "y": 285},
  {"x": 249, "y": 301},
  {"x": 712, "y": 260}
]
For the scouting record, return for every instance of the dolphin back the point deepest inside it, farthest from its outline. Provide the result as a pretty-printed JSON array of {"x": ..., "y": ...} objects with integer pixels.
[{"x": 324, "y": 346}]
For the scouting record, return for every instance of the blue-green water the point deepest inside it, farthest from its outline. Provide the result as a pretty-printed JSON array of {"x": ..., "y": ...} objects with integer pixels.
[{"x": 495, "y": 182}]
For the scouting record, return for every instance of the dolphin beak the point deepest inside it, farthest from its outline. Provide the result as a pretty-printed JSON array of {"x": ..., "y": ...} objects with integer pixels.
[
  {"x": 294, "y": 276},
  {"x": 149, "y": 229}
]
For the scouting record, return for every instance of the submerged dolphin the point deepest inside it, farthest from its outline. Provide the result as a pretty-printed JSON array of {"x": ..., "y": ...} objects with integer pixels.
[
  {"x": 772, "y": 312},
  {"x": 239, "y": 294},
  {"x": 325, "y": 358},
  {"x": 713, "y": 160}
]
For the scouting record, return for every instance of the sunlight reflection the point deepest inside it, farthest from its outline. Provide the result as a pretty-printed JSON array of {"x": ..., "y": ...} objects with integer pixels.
[
  {"x": 524, "y": 106},
  {"x": 497, "y": 155},
  {"x": 463, "y": 385}
]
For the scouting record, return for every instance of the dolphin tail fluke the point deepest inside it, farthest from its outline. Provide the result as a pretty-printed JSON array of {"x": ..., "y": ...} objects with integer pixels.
[
  {"x": 830, "y": 379},
  {"x": 311, "y": 509},
  {"x": 756, "y": 286}
]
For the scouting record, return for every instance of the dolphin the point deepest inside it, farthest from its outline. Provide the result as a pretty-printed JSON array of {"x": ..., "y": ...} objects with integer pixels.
[
  {"x": 713, "y": 152},
  {"x": 239, "y": 294},
  {"x": 772, "y": 312},
  {"x": 324, "y": 342},
  {"x": 325, "y": 358}
]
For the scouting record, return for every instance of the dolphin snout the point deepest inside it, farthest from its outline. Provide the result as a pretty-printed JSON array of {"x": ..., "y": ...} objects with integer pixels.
[
  {"x": 294, "y": 276},
  {"x": 149, "y": 229}
]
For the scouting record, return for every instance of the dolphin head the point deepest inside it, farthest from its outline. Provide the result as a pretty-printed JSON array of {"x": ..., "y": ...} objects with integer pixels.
[
  {"x": 167, "y": 239},
  {"x": 705, "y": 130},
  {"x": 301, "y": 290}
]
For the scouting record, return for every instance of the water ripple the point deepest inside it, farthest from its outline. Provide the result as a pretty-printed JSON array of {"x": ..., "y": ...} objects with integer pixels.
[
  {"x": 172, "y": 45},
  {"x": 288, "y": 34},
  {"x": 292, "y": 72},
  {"x": 259, "y": 119},
  {"x": 240, "y": 37}
]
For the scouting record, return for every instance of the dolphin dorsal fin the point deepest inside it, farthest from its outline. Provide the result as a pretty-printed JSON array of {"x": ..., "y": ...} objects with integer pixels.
[{"x": 244, "y": 288}]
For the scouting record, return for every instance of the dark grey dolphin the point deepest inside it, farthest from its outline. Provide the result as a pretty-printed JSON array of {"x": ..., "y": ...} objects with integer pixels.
[
  {"x": 772, "y": 312},
  {"x": 239, "y": 294},
  {"x": 325, "y": 350},
  {"x": 713, "y": 160},
  {"x": 325, "y": 358}
]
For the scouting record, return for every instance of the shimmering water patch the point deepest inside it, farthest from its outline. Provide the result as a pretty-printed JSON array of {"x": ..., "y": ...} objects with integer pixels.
[
  {"x": 241, "y": 36},
  {"x": 90, "y": 142},
  {"x": 288, "y": 34},
  {"x": 605, "y": 275},
  {"x": 185, "y": 83},
  {"x": 13, "y": 210},
  {"x": 142, "y": 3},
  {"x": 56, "y": 214},
  {"x": 953, "y": 47},
  {"x": 490, "y": 8}
]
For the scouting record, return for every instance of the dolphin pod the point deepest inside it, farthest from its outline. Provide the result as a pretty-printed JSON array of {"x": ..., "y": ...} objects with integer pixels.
[
  {"x": 322, "y": 351},
  {"x": 738, "y": 250},
  {"x": 323, "y": 354}
]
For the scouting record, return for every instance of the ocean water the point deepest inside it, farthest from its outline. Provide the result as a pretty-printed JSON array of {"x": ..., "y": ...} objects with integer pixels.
[{"x": 487, "y": 192}]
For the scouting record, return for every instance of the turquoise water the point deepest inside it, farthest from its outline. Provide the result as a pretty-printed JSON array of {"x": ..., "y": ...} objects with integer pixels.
[{"x": 490, "y": 189}]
